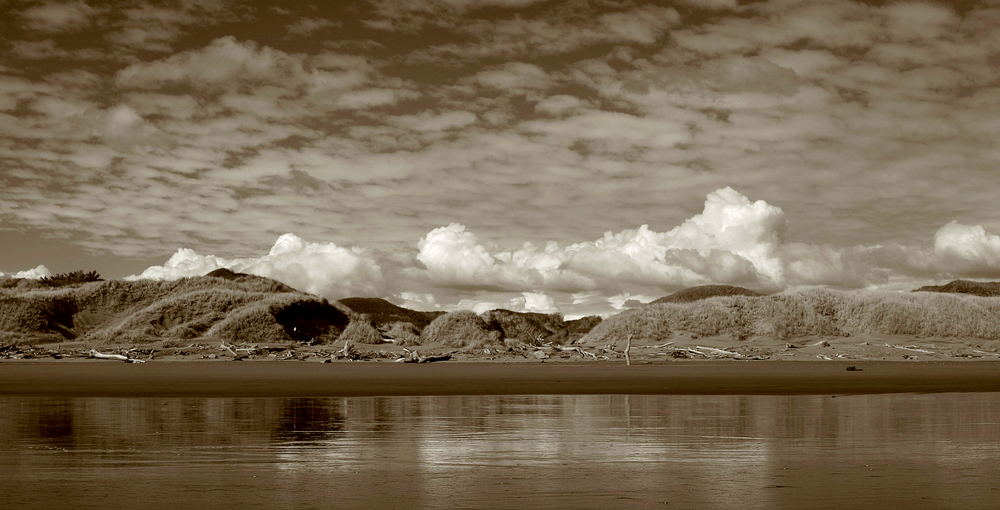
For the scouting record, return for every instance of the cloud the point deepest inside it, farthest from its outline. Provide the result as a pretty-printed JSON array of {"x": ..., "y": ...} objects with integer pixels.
[
  {"x": 733, "y": 240},
  {"x": 513, "y": 75},
  {"x": 34, "y": 273},
  {"x": 559, "y": 104},
  {"x": 539, "y": 302},
  {"x": 561, "y": 27},
  {"x": 58, "y": 17},
  {"x": 436, "y": 121},
  {"x": 967, "y": 249},
  {"x": 534, "y": 302},
  {"x": 309, "y": 26},
  {"x": 324, "y": 269},
  {"x": 224, "y": 62}
]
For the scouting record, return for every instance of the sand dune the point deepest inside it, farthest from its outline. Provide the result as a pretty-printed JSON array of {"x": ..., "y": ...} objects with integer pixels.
[{"x": 193, "y": 317}]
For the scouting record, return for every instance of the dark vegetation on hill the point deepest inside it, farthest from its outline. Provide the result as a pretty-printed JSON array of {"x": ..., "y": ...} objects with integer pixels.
[
  {"x": 538, "y": 328},
  {"x": 984, "y": 289},
  {"x": 807, "y": 313},
  {"x": 384, "y": 313},
  {"x": 225, "y": 306},
  {"x": 704, "y": 292},
  {"x": 71, "y": 278}
]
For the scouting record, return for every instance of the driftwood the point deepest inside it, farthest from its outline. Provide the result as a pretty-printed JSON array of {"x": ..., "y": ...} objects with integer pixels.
[
  {"x": 415, "y": 357},
  {"x": 118, "y": 357},
  {"x": 563, "y": 348},
  {"x": 911, "y": 348},
  {"x": 628, "y": 347},
  {"x": 226, "y": 347},
  {"x": 719, "y": 352}
]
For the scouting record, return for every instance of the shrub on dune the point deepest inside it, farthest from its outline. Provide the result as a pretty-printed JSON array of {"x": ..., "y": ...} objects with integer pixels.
[
  {"x": 530, "y": 328},
  {"x": 361, "y": 330},
  {"x": 403, "y": 333},
  {"x": 460, "y": 329},
  {"x": 71, "y": 278}
]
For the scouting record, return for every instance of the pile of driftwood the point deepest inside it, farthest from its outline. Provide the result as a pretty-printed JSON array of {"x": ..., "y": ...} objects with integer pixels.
[{"x": 15, "y": 351}]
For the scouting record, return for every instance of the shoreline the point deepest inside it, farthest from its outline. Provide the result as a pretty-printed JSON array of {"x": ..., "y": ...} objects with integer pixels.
[{"x": 302, "y": 379}]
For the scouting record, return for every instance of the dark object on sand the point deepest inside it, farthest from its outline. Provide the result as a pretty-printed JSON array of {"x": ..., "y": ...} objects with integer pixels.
[{"x": 853, "y": 368}]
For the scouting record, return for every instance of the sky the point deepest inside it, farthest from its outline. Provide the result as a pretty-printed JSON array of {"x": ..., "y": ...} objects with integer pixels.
[{"x": 556, "y": 156}]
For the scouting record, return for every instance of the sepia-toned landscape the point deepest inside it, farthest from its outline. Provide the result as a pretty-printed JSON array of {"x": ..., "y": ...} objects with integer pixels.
[{"x": 697, "y": 254}]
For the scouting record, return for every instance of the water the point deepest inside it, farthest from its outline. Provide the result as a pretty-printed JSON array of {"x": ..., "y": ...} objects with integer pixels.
[{"x": 865, "y": 451}]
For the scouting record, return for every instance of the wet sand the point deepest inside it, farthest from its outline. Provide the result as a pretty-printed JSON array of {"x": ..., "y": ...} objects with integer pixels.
[{"x": 287, "y": 379}]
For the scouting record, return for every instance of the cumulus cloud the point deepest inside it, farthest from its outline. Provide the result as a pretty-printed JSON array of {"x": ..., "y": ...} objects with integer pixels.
[
  {"x": 324, "y": 269},
  {"x": 733, "y": 240},
  {"x": 534, "y": 302},
  {"x": 34, "y": 273},
  {"x": 967, "y": 249},
  {"x": 539, "y": 302}
]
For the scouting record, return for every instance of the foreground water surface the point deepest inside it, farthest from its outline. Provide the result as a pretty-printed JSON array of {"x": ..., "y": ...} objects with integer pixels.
[{"x": 576, "y": 451}]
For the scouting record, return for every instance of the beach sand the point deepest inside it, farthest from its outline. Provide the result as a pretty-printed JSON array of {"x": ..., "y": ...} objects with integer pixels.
[{"x": 297, "y": 378}]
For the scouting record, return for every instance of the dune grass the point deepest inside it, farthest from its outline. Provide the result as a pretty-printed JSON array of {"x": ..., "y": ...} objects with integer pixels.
[
  {"x": 404, "y": 333},
  {"x": 529, "y": 328},
  {"x": 460, "y": 329},
  {"x": 807, "y": 313},
  {"x": 361, "y": 330}
]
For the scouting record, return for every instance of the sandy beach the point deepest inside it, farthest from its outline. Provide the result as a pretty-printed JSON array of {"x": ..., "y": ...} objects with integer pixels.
[{"x": 213, "y": 378}]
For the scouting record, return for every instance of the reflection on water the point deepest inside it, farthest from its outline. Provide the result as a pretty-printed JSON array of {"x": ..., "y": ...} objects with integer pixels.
[{"x": 914, "y": 451}]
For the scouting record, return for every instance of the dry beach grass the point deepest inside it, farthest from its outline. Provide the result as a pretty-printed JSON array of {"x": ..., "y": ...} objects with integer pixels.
[{"x": 226, "y": 314}]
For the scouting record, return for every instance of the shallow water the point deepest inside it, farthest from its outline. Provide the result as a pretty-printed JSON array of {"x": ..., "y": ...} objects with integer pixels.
[{"x": 577, "y": 451}]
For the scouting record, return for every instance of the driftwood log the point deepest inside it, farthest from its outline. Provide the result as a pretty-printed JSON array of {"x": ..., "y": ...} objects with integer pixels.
[
  {"x": 118, "y": 357},
  {"x": 415, "y": 357}
]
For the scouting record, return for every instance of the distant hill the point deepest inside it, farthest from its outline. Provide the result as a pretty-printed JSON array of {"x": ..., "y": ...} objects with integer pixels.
[
  {"x": 704, "y": 292},
  {"x": 985, "y": 289},
  {"x": 382, "y": 312}
]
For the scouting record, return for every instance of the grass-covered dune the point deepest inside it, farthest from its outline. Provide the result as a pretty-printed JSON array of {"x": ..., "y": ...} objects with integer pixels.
[
  {"x": 814, "y": 312},
  {"x": 227, "y": 306},
  {"x": 461, "y": 329}
]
